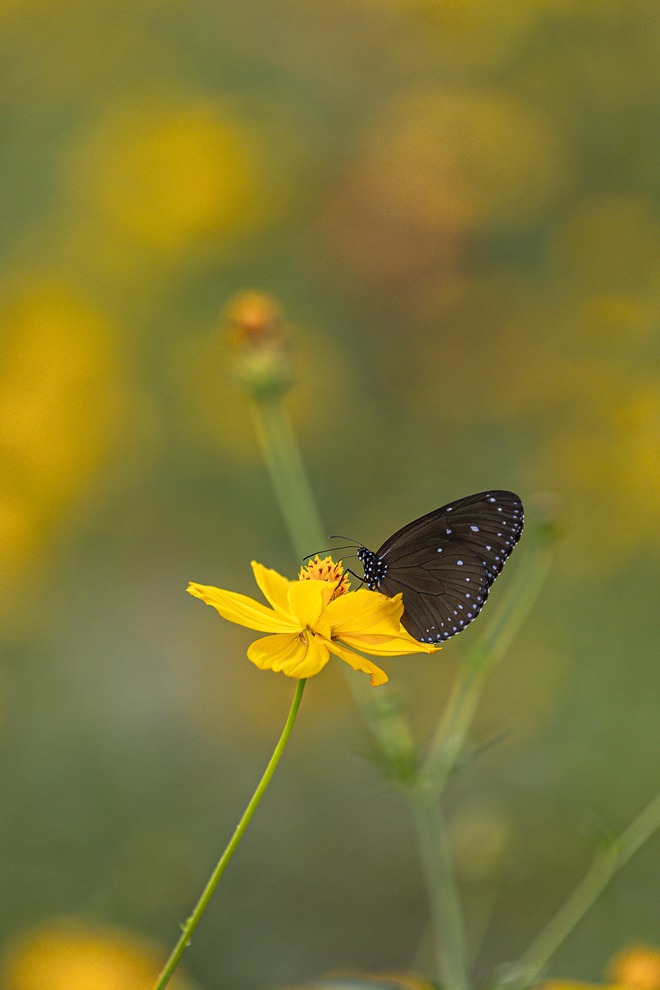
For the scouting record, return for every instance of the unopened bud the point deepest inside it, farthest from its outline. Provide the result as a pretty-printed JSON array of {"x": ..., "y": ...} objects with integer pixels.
[{"x": 259, "y": 343}]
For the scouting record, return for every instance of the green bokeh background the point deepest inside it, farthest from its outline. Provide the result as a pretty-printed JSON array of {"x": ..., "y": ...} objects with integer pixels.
[{"x": 456, "y": 204}]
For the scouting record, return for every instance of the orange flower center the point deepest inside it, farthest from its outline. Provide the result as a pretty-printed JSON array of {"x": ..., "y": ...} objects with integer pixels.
[{"x": 326, "y": 570}]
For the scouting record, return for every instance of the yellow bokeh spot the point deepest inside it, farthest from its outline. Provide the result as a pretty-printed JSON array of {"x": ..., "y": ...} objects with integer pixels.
[
  {"x": 172, "y": 174},
  {"x": 637, "y": 967},
  {"x": 70, "y": 956},
  {"x": 64, "y": 413},
  {"x": 58, "y": 394},
  {"x": 606, "y": 455}
]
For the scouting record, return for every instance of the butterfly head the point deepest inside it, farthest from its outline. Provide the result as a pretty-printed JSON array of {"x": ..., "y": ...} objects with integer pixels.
[{"x": 374, "y": 568}]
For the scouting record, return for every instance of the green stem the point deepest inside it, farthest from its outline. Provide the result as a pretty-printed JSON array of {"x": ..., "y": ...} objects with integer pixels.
[
  {"x": 293, "y": 490},
  {"x": 442, "y": 757},
  {"x": 446, "y": 914},
  {"x": 194, "y": 919},
  {"x": 449, "y": 738},
  {"x": 606, "y": 864},
  {"x": 383, "y": 715},
  {"x": 296, "y": 502}
]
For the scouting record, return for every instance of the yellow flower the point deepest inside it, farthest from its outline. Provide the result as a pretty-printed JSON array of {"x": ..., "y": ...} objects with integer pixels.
[
  {"x": 67, "y": 954},
  {"x": 637, "y": 967},
  {"x": 310, "y": 618}
]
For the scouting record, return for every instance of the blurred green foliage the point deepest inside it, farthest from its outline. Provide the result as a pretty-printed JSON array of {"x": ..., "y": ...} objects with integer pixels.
[{"x": 456, "y": 204}]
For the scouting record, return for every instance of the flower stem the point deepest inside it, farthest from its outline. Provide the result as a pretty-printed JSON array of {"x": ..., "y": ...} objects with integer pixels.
[
  {"x": 295, "y": 498},
  {"x": 449, "y": 738},
  {"x": 446, "y": 914},
  {"x": 194, "y": 919},
  {"x": 293, "y": 490},
  {"x": 442, "y": 757},
  {"x": 606, "y": 864}
]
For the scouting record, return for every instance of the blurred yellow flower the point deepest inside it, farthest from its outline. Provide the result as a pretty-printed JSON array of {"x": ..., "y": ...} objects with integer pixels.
[
  {"x": 67, "y": 955},
  {"x": 308, "y": 621},
  {"x": 637, "y": 967},
  {"x": 175, "y": 172},
  {"x": 604, "y": 449},
  {"x": 59, "y": 389},
  {"x": 64, "y": 408}
]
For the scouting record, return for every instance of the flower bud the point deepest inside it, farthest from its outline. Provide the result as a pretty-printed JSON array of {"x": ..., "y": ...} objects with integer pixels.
[{"x": 259, "y": 343}]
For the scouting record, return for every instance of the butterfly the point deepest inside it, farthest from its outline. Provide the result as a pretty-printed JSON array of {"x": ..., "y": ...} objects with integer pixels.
[{"x": 445, "y": 562}]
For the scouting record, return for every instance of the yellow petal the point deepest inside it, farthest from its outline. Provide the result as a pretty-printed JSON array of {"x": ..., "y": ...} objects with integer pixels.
[
  {"x": 299, "y": 655},
  {"x": 242, "y": 610},
  {"x": 388, "y": 646},
  {"x": 365, "y": 612},
  {"x": 307, "y": 601},
  {"x": 358, "y": 662},
  {"x": 273, "y": 587}
]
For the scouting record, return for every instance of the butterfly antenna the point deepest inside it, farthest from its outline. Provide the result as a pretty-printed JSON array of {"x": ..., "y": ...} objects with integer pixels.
[{"x": 346, "y": 546}]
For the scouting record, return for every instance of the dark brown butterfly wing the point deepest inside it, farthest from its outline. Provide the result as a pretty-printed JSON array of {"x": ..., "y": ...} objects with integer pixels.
[{"x": 445, "y": 562}]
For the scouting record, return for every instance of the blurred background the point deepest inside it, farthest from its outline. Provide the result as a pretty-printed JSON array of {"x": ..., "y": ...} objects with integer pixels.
[{"x": 456, "y": 204}]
